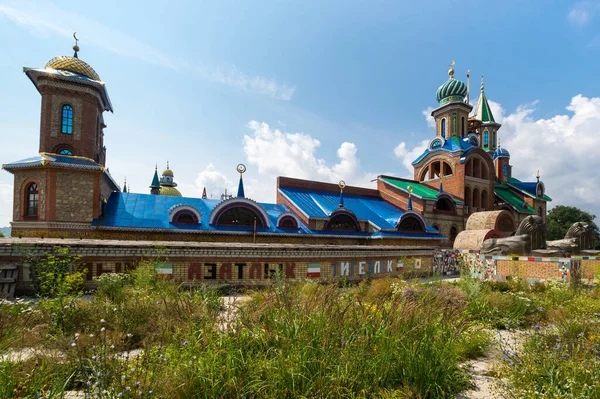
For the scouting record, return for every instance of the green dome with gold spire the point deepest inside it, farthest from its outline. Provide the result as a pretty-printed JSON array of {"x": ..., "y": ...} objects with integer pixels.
[{"x": 452, "y": 90}]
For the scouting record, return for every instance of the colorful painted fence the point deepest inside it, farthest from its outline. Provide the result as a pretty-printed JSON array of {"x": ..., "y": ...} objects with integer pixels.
[{"x": 527, "y": 267}]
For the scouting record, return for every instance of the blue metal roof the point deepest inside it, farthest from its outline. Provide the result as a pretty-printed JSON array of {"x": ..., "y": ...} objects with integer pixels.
[
  {"x": 452, "y": 144},
  {"x": 316, "y": 204},
  {"x": 146, "y": 211}
]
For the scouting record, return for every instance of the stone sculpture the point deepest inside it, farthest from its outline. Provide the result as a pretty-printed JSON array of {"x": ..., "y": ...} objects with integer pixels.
[{"x": 515, "y": 245}]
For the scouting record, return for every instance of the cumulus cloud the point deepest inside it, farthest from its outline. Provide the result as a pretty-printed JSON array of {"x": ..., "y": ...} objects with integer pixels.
[
  {"x": 582, "y": 12},
  {"x": 407, "y": 156},
  {"x": 215, "y": 182},
  {"x": 427, "y": 114},
  {"x": 564, "y": 148},
  {"x": 277, "y": 153},
  {"x": 271, "y": 153}
]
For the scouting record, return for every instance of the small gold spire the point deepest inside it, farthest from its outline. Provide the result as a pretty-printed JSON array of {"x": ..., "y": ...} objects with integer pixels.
[
  {"x": 75, "y": 47},
  {"x": 481, "y": 82},
  {"x": 451, "y": 70},
  {"x": 537, "y": 176},
  {"x": 167, "y": 164},
  {"x": 410, "y": 189},
  {"x": 342, "y": 184}
]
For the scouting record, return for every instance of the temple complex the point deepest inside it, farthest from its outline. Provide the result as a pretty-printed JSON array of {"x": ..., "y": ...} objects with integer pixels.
[{"x": 65, "y": 192}]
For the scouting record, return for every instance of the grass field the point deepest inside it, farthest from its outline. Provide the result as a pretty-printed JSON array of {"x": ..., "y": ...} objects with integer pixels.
[{"x": 142, "y": 337}]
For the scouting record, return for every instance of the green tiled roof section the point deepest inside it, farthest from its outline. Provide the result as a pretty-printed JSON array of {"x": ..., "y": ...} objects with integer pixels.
[
  {"x": 484, "y": 112},
  {"x": 502, "y": 191},
  {"x": 420, "y": 190},
  {"x": 512, "y": 181}
]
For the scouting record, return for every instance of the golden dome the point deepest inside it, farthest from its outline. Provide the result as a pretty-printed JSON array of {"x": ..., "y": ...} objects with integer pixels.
[
  {"x": 172, "y": 191},
  {"x": 73, "y": 64},
  {"x": 168, "y": 172}
]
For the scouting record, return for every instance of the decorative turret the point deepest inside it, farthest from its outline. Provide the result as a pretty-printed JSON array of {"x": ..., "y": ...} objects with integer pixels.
[
  {"x": 502, "y": 164},
  {"x": 452, "y": 116},
  {"x": 155, "y": 185},
  {"x": 488, "y": 128},
  {"x": 167, "y": 185}
]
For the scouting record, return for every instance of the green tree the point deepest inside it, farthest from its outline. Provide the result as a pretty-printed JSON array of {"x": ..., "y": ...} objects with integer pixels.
[
  {"x": 1, "y": 234},
  {"x": 561, "y": 218}
]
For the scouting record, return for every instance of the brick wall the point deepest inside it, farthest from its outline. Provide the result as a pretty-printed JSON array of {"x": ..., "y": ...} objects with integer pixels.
[
  {"x": 75, "y": 196},
  {"x": 86, "y": 109}
]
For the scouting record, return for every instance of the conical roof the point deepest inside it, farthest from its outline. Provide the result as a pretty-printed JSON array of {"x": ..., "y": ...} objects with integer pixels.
[{"x": 483, "y": 112}]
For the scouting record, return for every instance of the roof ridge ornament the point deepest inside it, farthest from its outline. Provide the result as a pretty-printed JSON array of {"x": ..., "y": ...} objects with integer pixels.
[
  {"x": 482, "y": 83},
  {"x": 241, "y": 168},
  {"x": 451, "y": 70},
  {"x": 410, "y": 190},
  {"x": 75, "y": 47},
  {"x": 342, "y": 184}
]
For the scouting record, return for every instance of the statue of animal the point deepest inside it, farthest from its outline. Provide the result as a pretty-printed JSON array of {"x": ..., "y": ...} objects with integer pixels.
[{"x": 515, "y": 245}]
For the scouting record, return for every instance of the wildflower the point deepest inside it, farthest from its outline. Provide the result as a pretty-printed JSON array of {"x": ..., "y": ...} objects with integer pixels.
[
  {"x": 539, "y": 308},
  {"x": 120, "y": 394},
  {"x": 99, "y": 374},
  {"x": 112, "y": 347},
  {"x": 73, "y": 344},
  {"x": 137, "y": 383},
  {"x": 94, "y": 357},
  {"x": 186, "y": 343},
  {"x": 123, "y": 377},
  {"x": 128, "y": 388},
  {"x": 129, "y": 335},
  {"x": 102, "y": 321},
  {"x": 102, "y": 329},
  {"x": 76, "y": 335},
  {"x": 91, "y": 335}
]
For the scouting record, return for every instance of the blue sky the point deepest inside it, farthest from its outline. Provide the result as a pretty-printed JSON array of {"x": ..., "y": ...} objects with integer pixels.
[{"x": 322, "y": 90}]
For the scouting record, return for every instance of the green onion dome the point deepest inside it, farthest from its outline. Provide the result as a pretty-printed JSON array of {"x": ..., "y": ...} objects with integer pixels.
[{"x": 452, "y": 90}]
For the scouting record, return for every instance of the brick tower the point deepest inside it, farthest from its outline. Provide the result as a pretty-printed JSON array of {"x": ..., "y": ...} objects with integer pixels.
[{"x": 66, "y": 185}]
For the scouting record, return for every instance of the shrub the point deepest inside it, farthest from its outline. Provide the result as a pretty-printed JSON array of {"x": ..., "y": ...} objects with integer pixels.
[{"x": 111, "y": 285}]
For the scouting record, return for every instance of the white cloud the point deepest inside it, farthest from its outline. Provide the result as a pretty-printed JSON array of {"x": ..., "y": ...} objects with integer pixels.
[
  {"x": 564, "y": 148},
  {"x": 583, "y": 11},
  {"x": 408, "y": 156},
  {"x": 276, "y": 153},
  {"x": 214, "y": 181},
  {"x": 427, "y": 114},
  {"x": 43, "y": 18}
]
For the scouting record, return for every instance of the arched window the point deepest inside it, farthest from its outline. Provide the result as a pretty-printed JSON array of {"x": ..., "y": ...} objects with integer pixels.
[
  {"x": 239, "y": 216},
  {"x": 467, "y": 196},
  {"x": 184, "y": 217},
  {"x": 32, "y": 200},
  {"x": 453, "y": 233},
  {"x": 484, "y": 199},
  {"x": 462, "y": 126},
  {"x": 540, "y": 212},
  {"x": 411, "y": 224},
  {"x": 342, "y": 222},
  {"x": 485, "y": 139},
  {"x": 444, "y": 204},
  {"x": 67, "y": 119},
  {"x": 444, "y": 127},
  {"x": 65, "y": 151},
  {"x": 287, "y": 221},
  {"x": 476, "y": 198},
  {"x": 494, "y": 143}
]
